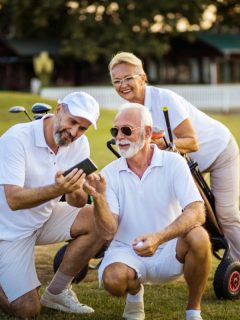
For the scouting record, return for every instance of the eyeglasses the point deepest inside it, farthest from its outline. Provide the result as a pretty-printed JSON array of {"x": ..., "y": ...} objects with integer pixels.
[
  {"x": 127, "y": 131},
  {"x": 127, "y": 80}
]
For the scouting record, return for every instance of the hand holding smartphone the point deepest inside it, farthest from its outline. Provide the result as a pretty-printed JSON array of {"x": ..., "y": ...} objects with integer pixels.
[{"x": 87, "y": 165}]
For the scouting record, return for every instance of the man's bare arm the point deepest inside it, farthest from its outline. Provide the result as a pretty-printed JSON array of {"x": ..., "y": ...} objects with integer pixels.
[
  {"x": 192, "y": 216},
  {"x": 24, "y": 198},
  {"x": 106, "y": 221}
]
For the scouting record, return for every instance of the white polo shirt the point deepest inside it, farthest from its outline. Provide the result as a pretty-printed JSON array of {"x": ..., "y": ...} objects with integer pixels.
[
  {"x": 151, "y": 203},
  {"x": 27, "y": 161},
  {"x": 212, "y": 135}
]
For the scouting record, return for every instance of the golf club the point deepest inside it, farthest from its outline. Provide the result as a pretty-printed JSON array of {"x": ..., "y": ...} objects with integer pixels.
[
  {"x": 17, "y": 109},
  {"x": 40, "y": 107}
]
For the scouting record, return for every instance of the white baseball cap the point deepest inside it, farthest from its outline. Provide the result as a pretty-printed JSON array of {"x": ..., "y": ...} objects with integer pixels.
[{"x": 81, "y": 104}]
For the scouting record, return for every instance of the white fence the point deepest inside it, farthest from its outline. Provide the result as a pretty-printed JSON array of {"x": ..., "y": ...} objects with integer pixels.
[{"x": 219, "y": 98}]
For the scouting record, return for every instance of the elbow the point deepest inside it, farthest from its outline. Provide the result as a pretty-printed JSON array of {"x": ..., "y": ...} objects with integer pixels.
[
  {"x": 13, "y": 202},
  {"x": 202, "y": 215},
  {"x": 202, "y": 219},
  {"x": 195, "y": 145},
  {"x": 17, "y": 203},
  {"x": 108, "y": 236},
  {"x": 109, "y": 233},
  {"x": 13, "y": 205},
  {"x": 14, "y": 197}
]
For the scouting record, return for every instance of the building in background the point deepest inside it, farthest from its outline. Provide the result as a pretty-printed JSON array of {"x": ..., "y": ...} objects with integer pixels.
[{"x": 209, "y": 59}]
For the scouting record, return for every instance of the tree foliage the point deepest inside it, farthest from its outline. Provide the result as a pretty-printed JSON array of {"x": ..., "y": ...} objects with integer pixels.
[
  {"x": 90, "y": 30},
  {"x": 228, "y": 16}
]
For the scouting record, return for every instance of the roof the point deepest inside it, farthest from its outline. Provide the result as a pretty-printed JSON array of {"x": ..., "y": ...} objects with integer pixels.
[
  {"x": 225, "y": 43},
  {"x": 32, "y": 47}
]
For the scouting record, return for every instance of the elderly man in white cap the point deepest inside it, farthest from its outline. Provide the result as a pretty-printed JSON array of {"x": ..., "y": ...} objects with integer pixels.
[{"x": 33, "y": 158}]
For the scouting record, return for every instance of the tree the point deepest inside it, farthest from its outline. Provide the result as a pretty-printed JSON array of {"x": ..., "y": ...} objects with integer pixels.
[
  {"x": 228, "y": 16},
  {"x": 93, "y": 30}
]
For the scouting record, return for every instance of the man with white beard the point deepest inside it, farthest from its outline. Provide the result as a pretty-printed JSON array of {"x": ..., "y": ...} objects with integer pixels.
[{"x": 154, "y": 212}]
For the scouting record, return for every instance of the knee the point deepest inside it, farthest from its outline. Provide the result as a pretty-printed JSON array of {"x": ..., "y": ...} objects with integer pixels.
[
  {"x": 84, "y": 223},
  {"x": 25, "y": 307},
  {"x": 198, "y": 241},
  {"x": 114, "y": 281}
]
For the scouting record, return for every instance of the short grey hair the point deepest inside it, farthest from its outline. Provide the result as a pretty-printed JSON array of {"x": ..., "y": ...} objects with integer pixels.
[
  {"x": 126, "y": 57},
  {"x": 146, "y": 117}
]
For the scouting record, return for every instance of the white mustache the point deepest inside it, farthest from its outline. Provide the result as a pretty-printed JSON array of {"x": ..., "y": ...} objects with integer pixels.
[{"x": 124, "y": 141}]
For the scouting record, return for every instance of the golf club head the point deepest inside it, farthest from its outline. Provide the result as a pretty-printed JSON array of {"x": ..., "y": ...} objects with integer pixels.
[
  {"x": 40, "y": 107},
  {"x": 37, "y": 116},
  {"x": 16, "y": 109}
]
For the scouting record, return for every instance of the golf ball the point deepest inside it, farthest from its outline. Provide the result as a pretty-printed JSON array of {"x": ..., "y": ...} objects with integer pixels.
[{"x": 139, "y": 244}]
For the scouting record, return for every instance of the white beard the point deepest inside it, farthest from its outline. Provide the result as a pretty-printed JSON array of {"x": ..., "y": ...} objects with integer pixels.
[{"x": 133, "y": 148}]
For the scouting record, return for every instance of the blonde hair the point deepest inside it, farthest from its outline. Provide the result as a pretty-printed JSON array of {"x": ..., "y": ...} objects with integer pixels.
[{"x": 126, "y": 57}]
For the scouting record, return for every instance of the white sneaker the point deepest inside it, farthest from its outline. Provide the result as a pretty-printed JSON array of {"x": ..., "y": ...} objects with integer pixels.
[
  {"x": 66, "y": 301},
  {"x": 134, "y": 310},
  {"x": 196, "y": 318}
]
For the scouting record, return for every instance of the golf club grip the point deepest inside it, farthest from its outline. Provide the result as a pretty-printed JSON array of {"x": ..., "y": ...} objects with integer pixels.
[
  {"x": 165, "y": 112},
  {"x": 110, "y": 147}
]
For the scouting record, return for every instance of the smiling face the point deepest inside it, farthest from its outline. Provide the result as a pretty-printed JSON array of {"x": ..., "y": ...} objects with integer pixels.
[
  {"x": 128, "y": 83},
  {"x": 68, "y": 128},
  {"x": 129, "y": 145}
]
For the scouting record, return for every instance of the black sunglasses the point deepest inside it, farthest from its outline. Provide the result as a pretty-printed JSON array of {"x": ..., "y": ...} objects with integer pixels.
[{"x": 125, "y": 130}]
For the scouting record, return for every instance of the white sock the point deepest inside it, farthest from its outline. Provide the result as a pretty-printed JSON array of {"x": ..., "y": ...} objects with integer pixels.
[
  {"x": 59, "y": 282},
  {"x": 136, "y": 297},
  {"x": 191, "y": 313}
]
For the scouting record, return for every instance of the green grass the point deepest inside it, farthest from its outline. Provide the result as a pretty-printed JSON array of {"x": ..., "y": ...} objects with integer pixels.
[
  {"x": 232, "y": 121},
  {"x": 162, "y": 302}
]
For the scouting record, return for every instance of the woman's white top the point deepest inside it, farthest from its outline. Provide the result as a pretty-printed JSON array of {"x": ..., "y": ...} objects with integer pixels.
[{"x": 212, "y": 135}]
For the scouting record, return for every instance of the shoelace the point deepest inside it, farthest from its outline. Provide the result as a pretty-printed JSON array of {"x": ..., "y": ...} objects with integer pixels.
[{"x": 73, "y": 295}]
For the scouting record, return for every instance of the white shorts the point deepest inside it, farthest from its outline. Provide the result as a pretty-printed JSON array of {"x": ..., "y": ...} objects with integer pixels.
[
  {"x": 162, "y": 267},
  {"x": 17, "y": 264}
]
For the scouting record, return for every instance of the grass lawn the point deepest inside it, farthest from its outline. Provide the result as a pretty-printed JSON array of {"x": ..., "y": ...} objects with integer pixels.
[{"x": 162, "y": 302}]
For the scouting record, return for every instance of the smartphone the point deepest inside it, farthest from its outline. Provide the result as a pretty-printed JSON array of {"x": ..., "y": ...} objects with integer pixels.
[{"x": 87, "y": 165}]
